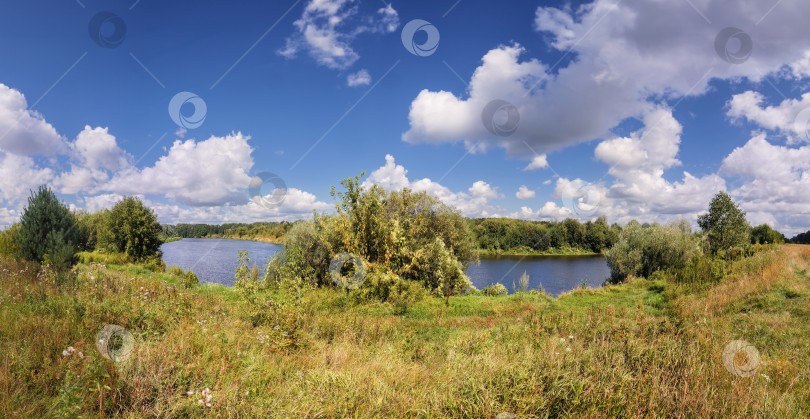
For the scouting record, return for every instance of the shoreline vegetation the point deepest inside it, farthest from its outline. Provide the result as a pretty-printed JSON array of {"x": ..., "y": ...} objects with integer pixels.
[{"x": 709, "y": 323}]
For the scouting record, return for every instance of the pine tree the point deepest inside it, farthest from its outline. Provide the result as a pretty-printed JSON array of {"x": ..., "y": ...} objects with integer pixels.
[{"x": 47, "y": 230}]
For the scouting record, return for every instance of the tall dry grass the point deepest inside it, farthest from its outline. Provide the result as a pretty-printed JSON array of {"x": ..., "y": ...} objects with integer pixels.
[{"x": 645, "y": 348}]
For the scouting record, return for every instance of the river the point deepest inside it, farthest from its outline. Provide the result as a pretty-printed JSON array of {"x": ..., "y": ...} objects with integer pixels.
[{"x": 215, "y": 261}]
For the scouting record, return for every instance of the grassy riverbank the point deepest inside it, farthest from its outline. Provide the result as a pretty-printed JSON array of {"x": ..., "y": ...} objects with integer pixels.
[
  {"x": 643, "y": 348},
  {"x": 530, "y": 252}
]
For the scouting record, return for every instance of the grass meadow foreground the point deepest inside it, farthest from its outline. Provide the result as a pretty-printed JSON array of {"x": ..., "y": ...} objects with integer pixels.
[{"x": 643, "y": 348}]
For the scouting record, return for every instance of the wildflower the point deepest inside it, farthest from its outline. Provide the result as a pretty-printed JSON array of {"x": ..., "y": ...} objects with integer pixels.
[
  {"x": 766, "y": 377},
  {"x": 207, "y": 396},
  {"x": 567, "y": 349},
  {"x": 562, "y": 340},
  {"x": 69, "y": 351},
  {"x": 571, "y": 337},
  {"x": 190, "y": 392}
]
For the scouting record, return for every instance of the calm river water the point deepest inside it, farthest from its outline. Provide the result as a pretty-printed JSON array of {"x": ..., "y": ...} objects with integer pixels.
[{"x": 215, "y": 261}]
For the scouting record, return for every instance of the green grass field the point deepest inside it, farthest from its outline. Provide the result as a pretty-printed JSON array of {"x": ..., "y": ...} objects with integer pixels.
[{"x": 643, "y": 348}]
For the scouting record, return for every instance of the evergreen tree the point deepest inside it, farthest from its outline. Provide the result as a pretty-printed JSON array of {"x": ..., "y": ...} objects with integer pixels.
[{"x": 47, "y": 230}]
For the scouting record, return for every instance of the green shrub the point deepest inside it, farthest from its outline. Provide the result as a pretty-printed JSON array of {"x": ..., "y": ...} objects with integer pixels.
[
  {"x": 187, "y": 278},
  {"x": 190, "y": 279},
  {"x": 384, "y": 286},
  {"x": 175, "y": 270},
  {"x": 307, "y": 238},
  {"x": 494, "y": 290},
  {"x": 103, "y": 258},
  {"x": 8, "y": 241},
  {"x": 701, "y": 269},
  {"x": 154, "y": 263},
  {"x": 414, "y": 235},
  {"x": 641, "y": 251}
]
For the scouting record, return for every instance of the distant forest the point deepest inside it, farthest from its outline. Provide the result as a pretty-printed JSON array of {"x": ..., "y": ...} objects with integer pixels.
[
  {"x": 241, "y": 230},
  {"x": 494, "y": 235},
  {"x": 801, "y": 238},
  {"x": 491, "y": 234}
]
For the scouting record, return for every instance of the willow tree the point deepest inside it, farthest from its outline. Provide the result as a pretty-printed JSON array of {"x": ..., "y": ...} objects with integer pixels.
[{"x": 410, "y": 234}]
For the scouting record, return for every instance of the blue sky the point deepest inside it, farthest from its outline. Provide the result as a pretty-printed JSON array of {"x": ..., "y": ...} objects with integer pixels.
[{"x": 627, "y": 109}]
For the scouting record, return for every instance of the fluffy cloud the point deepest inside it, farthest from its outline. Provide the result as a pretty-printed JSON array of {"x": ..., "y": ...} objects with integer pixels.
[
  {"x": 208, "y": 178},
  {"x": 638, "y": 163},
  {"x": 790, "y": 118},
  {"x": 550, "y": 211},
  {"x": 19, "y": 175},
  {"x": 475, "y": 202},
  {"x": 95, "y": 155},
  {"x": 205, "y": 173},
  {"x": 626, "y": 57},
  {"x": 524, "y": 193},
  {"x": 24, "y": 131},
  {"x": 636, "y": 187},
  {"x": 323, "y": 31},
  {"x": 538, "y": 162},
  {"x": 297, "y": 204},
  {"x": 775, "y": 183},
  {"x": 360, "y": 78}
]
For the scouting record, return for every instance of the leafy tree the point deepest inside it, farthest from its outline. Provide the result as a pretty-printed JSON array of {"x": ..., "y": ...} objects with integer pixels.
[
  {"x": 801, "y": 238},
  {"x": 88, "y": 226},
  {"x": 764, "y": 234},
  {"x": 47, "y": 230},
  {"x": 641, "y": 251},
  {"x": 413, "y": 236},
  {"x": 131, "y": 228},
  {"x": 725, "y": 224},
  {"x": 9, "y": 245}
]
